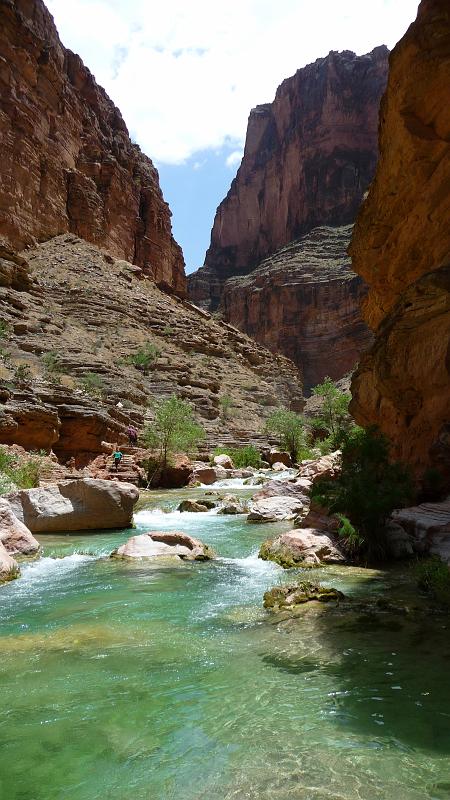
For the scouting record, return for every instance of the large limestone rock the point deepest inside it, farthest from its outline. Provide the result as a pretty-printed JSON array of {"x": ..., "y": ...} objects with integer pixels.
[
  {"x": 428, "y": 526},
  {"x": 14, "y": 535},
  {"x": 324, "y": 468},
  {"x": 297, "y": 594},
  {"x": 275, "y": 509},
  {"x": 78, "y": 169},
  {"x": 299, "y": 547},
  {"x": 223, "y": 461},
  {"x": 309, "y": 157},
  {"x": 156, "y": 545},
  {"x": 76, "y": 505},
  {"x": 401, "y": 247},
  {"x": 275, "y": 456},
  {"x": 9, "y": 568}
]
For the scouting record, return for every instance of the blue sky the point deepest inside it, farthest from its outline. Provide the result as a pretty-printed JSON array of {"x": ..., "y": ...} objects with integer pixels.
[{"x": 185, "y": 74}]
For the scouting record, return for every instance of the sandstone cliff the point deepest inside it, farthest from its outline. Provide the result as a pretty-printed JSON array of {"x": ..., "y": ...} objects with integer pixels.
[
  {"x": 72, "y": 319},
  {"x": 309, "y": 157},
  {"x": 67, "y": 161},
  {"x": 304, "y": 301},
  {"x": 401, "y": 247}
]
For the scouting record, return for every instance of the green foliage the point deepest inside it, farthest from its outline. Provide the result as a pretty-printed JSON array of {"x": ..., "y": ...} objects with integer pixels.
[
  {"x": 16, "y": 471},
  {"x": 334, "y": 418},
  {"x": 22, "y": 374},
  {"x": 174, "y": 429},
  {"x": 145, "y": 357},
  {"x": 225, "y": 403},
  {"x": 167, "y": 331},
  {"x": 353, "y": 541},
  {"x": 433, "y": 576},
  {"x": 368, "y": 489},
  {"x": 51, "y": 361},
  {"x": 289, "y": 428},
  {"x": 4, "y": 329},
  {"x": 92, "y": 383},
  {"x": 241, "y": 457}
]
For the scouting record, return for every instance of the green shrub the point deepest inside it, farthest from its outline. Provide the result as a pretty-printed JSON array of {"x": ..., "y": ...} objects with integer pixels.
[
  {"x": 22, "y": 374},
  {"x": 352, "y": 540},
  {"x": 433, "y": 576},
  {"x": 368, "y": 489},
  {"x": 92, "y": 383},
  {"x": 225, "y": 403},
  {"x": 5, "y": 329},
  {"x": 145, "y": 357},
  {"x": 17, "y": 471},
  {"x": 289, "y": 427},
  {"x": 241, "y": 457}
]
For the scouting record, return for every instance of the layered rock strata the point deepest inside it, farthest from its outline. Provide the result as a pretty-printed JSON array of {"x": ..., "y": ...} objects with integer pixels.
[
  {"x": 68, "y": 163},
  {"x": 304, "y": 301},
  {"x": 309, "y": 157},
  {"x": 401, "y": 247},
  {"x": 71, "y": 328}
]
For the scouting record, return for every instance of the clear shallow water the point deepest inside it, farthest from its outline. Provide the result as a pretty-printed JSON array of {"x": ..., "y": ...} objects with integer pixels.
[{"x": 124, "y": 681}]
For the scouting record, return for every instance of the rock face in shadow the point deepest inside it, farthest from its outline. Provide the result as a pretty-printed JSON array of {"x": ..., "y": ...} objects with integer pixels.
[
  {"x": 309, "y": 157},
  {"x": 401, "y": 247},
  {"x": 304, "y": 301},
  {"x": 67, "y": 162}
]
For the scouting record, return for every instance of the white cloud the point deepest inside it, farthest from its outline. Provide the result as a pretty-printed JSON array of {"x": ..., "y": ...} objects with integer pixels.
[
  {"x": 234, "y": 158},
  {"x": 186, "y": 74}
]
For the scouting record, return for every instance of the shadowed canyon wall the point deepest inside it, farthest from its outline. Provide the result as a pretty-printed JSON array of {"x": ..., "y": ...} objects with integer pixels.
[
  {"x": 67, "y": 162},
  {"x": 309, "y": 158},
  {"x": 401, "y": 247}
]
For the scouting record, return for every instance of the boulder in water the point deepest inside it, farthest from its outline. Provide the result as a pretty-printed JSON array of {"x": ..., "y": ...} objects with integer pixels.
[
  {"x": 275, "y": 509},
  {"x": 158, "y": 544},
  {"x": 14, "y": 535},
  {"x": 194, "y": 506},
  {"x": 223, "y": 461},
  {"x": 302, "y": 547},
  {"x": 279, "y": 457},
  {"x": 75, "y": 505},
  {"x": 231, "y": 505}
]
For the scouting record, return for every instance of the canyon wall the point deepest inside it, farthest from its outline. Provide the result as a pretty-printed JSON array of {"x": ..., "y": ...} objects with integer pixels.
[
  {"x": 401, "y": 247},
  {"x": 304, "y": 301},
  {"x": 67, "y": 162},
  {"x": 309, "y": 157}
]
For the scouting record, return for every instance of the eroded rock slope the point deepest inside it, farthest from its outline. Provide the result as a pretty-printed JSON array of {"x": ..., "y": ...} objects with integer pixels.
[{"x": 72, "y": 316}]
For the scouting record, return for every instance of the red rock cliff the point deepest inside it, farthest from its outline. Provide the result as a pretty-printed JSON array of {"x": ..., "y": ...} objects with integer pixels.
[
  {"x": 67, "y": 161},
  {"x": 401, "y": 247},
  {"x": 309, "y": 157}
]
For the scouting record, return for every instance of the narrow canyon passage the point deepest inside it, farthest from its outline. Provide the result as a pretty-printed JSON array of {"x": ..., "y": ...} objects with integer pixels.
[{"x": 162, "y": 682}]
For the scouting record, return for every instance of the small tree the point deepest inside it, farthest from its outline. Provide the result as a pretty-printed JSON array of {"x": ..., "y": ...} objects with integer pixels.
[
  {"x": 333, "y": 417},
  {"x": 289, "y": 428},
  {"x": 367, "y": 491},
  {"x": 173, "y": 430}
]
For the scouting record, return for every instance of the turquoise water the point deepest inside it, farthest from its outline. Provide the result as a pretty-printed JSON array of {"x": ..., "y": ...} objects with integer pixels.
[{"x": 128, "y": 681}]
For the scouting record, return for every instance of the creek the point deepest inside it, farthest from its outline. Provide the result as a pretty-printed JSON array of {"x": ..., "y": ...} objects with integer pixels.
[{"x": 130, "y": 681}]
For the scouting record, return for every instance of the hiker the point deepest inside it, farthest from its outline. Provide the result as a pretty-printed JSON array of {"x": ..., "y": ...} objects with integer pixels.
[
  {"x": 117, "y": 456},
  {"x": 132, "y": 434}
]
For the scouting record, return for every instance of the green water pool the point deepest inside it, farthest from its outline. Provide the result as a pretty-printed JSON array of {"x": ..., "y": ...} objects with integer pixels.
[{"x": 124, "y": 681}]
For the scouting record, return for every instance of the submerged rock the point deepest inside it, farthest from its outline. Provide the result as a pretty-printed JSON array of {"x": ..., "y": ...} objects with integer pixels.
[
  {"x": 301, "y": 547},
  {"x": 295, "y": 594},
  {"x": 231, "y": 505},
  {"x": 157, "y": 544},
  {"x": 85, "y": 504}
]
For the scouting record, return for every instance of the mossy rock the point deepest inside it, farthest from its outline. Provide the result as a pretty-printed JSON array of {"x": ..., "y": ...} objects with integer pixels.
[
  {"x": 283, "y": 557},
  {"x": 296, "y": 594}
]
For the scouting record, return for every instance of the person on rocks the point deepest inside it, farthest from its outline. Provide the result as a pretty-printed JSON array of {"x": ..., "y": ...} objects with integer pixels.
[
  {"x": 117, "y": 458},
  {"x": 132, "y": 435}
]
